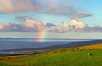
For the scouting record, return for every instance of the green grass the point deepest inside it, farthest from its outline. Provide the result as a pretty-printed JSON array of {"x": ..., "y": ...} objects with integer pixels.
[{"x": 67, "y": 58}]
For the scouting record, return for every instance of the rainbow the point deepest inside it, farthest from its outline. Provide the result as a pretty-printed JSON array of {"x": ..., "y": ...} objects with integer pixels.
[
  {"x": 41, "y": 36},
  {"x": 41, "y": 32}
]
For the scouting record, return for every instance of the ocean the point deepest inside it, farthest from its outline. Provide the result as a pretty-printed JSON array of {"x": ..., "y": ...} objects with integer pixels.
[
  {"x": 19, "y": 43},
  {"x": 19, "y": 40}
]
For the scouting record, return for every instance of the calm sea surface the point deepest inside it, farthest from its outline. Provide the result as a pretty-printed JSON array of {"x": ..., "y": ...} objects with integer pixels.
[
  {"x": 18, "y": 40},
  {"x": 18, "y": 43}
]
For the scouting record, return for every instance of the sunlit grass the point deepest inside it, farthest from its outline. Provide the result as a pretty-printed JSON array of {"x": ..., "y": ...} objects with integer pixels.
[{"x": 96, "y": 46}]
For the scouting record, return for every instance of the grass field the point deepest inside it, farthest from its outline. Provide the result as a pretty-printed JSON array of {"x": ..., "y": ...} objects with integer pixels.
[{"x": 62, "y": 57}]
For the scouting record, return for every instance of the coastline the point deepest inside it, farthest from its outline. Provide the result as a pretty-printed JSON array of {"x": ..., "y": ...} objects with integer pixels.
[{"x": 24, "y": 51}]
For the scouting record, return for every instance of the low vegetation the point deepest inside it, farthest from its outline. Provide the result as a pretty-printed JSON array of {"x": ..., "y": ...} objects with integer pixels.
[{"x": 96, "y": 46}]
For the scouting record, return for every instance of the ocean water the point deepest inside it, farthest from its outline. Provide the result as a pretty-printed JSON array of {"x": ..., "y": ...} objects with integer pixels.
[
  {"x": 19, "y": 43},
  {"x": 18, "y": 40},
  {"x": 68, "y": 35}
]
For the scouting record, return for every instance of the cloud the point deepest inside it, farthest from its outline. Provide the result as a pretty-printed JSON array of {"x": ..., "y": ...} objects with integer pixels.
[
  {"x": 27, "y": 25},
  {"x": 63, "y": 27},
  {"x": 2, "y": 26},
  {"x": 30, "y": 25},
  {"x": 49, "y": 7},
  {"x": 68, "y": 9},
  {"x": 82, "y": 15},
  {"x": 11, "y": 6},
  {"x": 53, "y": 7}
]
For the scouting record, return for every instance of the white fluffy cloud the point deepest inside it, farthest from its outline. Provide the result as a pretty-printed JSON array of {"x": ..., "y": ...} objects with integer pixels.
[{"x": 27, "y": 25}]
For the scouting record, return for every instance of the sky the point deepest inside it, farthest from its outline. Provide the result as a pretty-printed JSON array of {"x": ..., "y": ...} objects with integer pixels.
[{"x": 53, "y": 11}]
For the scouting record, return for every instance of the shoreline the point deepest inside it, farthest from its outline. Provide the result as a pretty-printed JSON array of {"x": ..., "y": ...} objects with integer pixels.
[{"x": 24, "y": 51}]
